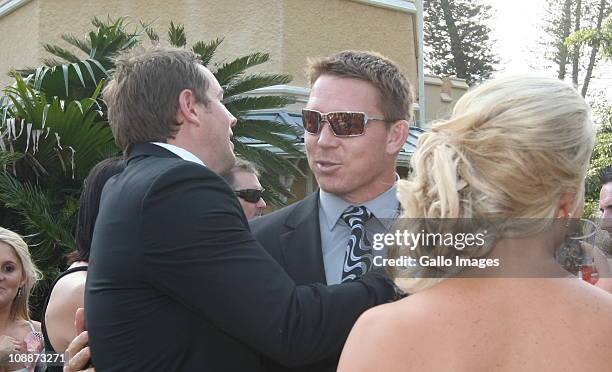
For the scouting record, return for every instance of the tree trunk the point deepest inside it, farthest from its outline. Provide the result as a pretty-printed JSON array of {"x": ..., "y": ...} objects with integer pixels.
[
  {"x": 595, "y": 49},
  {"x": 456, "y": 48},
  {"x": 566, "y": 21},
  {"x": 576, "y": 52}
]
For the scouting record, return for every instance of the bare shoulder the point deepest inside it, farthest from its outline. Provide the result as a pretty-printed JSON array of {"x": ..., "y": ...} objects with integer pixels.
[
  {"x": 386, "y": 335},
  {"x": 69, "y": 288}
]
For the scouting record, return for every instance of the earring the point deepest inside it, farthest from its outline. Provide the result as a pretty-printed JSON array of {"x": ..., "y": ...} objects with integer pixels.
[
  {"x": 19, "y": 292},
  {"x": 569, "y": 217}
]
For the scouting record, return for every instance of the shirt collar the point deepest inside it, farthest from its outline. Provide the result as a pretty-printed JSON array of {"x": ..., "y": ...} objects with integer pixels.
[
  {"x": 180, "y": 152},
  {"x": 384, "y": 206}
]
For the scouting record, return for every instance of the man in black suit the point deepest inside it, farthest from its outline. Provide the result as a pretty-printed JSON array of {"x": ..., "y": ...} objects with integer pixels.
[
  {"x": 176, "y": 281},
  {"x": 353, "y": 160}
]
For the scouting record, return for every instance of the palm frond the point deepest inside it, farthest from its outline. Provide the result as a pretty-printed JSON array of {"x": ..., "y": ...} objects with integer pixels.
[
  {"x": 8, "y": 157},
  {"x": 70, "y": 81},
  {"x": 268, "y": 132},
  {"x": 83, "y": 45},
  {"x": 176, "y": 35},
  {"x": 230, "y": 70},
  {"x": 34, "y": 206},
  {"x": 239, "y": 105},
  {"x": 255, "y": 81},
  {"x": 60, "y": 52},
  {"x": 150, "y": 31},
  {"x": 206, "y": 50},
  {"x": 64, "y": 137}
]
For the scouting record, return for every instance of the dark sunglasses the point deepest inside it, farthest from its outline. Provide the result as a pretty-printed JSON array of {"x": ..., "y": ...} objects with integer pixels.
[
  {"x": 250, "y": 195},
  {"x": 342, "y": 123}
]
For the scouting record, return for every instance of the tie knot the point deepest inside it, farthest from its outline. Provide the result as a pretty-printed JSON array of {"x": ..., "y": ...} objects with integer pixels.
[{"x": 356, "y": 215}]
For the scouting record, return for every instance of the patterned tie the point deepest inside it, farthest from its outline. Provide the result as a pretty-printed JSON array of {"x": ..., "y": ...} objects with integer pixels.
[{"x": 358, "y": 256}]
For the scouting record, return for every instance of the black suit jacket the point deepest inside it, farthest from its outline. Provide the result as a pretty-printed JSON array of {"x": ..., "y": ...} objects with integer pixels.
[
  {"x": 176, "y": 281},
  {"x": 293, "y": 237}
]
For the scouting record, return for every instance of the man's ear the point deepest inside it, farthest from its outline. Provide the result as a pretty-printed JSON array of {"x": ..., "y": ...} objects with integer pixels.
[
  {"x": 187, "y": 112},
  {"x": 396, "y": 136}
]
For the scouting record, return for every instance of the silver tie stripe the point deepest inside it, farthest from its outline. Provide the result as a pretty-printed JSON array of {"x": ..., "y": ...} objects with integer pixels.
[{"x": 358, "y": 256}]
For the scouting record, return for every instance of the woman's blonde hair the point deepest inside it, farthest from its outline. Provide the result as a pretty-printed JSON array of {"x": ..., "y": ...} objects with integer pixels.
[
  {"x": 512, "y": 147},
  {"x": 20, "y": 306}
]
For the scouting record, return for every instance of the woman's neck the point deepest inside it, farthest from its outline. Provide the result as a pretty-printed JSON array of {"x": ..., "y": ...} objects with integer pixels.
[
  {"x": 531, "y": 257},
  {"x": 5, "y": 317}
]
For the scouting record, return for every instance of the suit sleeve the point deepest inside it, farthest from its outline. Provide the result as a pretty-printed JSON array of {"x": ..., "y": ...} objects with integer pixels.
[{"x": 198, "y": 250}]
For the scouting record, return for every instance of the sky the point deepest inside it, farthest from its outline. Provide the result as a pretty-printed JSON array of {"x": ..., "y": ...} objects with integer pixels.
[{"x": 516, "y": 27}]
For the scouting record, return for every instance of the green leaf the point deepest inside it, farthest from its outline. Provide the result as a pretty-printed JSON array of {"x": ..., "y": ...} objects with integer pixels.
[
  {"x": 176, "y": 35},
  {"x": 206, "y": 51},
  {"x": 255, "y": 81},
  {"x": 65, "y": 70},
  {"x": 77, "y": 69},
  {"x": 61, "y": 52},
  {"x": 241, "y": 104},
  {"x": 83, "y": 45},
  {"x": 235, "y": 68}
]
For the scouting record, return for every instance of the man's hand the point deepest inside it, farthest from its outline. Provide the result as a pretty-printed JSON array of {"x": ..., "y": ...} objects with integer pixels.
[{"x": 78, "y": 353}]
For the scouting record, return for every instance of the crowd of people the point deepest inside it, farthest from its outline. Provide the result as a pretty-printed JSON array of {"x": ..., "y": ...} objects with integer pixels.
[{"x": 177, "y": 271}]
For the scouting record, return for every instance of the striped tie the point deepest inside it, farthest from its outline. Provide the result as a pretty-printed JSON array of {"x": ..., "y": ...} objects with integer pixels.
[{"x": 358, "y": 256}]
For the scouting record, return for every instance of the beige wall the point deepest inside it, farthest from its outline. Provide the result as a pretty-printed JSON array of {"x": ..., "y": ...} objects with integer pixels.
[
  {"x": 322, "y": 27},
  {"x": 290, "y": 30},
  {"x": 441, "y": 94},
  {"x": 19, "y": 43}
]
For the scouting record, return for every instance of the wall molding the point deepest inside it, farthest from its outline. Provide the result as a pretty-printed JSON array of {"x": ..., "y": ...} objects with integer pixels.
[
  {"x": 8, "y": 6},
  {"x": 398, "y": 5}
]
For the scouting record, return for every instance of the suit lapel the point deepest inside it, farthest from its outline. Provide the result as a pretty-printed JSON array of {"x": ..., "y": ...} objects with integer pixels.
[{"x": 302, "y": 243}]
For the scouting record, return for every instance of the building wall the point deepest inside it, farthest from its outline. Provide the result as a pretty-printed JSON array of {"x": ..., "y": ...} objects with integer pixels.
[
  {"x": 318, "y": 28},
  {"x": 19, "y": 43}
]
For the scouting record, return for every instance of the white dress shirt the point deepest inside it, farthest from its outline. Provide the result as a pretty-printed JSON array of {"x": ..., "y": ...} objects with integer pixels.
[{"x": 180, "y": 152}]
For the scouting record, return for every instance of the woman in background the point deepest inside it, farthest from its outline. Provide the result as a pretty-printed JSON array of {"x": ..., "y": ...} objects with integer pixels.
[
  {"x": 515, "y": 148},
  {"x": 67, "y": 292},
  {"x": 19, "y": 335}
]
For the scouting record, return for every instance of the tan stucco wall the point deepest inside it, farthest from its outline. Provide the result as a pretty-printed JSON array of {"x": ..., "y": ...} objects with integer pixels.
[
  {"x": 321, "y": 27},
  {"x": 246, "y": 26},
  {"x": 441, "y": 94},
  {"x": 19, "y": 40},
  {"x": 290, "y": 30}
]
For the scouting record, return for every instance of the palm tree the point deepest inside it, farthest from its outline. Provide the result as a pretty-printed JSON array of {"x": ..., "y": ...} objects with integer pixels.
[{"x": 71, "y": 77}]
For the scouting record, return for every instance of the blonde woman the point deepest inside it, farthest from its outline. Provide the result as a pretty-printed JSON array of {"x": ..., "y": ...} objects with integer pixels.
[
  {"x": 515, "y": 148},
  {"x": 19, "y": 335}
]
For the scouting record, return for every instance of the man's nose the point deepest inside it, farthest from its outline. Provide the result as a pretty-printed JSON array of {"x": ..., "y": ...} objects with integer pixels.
[
  {"x": 326, "y": 136},
  {"x": 261, "y": 203}
]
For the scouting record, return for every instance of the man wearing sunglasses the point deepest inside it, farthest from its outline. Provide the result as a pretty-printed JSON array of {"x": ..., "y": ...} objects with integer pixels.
[
  {"x": 244, "y": 180},
  {"x": 176, "y": 280},
  {"x": 355, "y": 123}
]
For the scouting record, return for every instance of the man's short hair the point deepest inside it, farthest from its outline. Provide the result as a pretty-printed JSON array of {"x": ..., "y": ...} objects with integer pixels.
[
  {"x": 396, "y": 97},
  {"x": 606, "y": 175},
  {"x": 142, "y": 97},
  {"x": 241, "y": 165}
]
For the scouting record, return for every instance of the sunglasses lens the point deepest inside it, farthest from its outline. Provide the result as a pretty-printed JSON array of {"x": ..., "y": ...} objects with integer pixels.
[
  {"x": 250, "y": 195},
  {"x": 311, "y": 120},
  {"x": 346, "y": 123}
]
